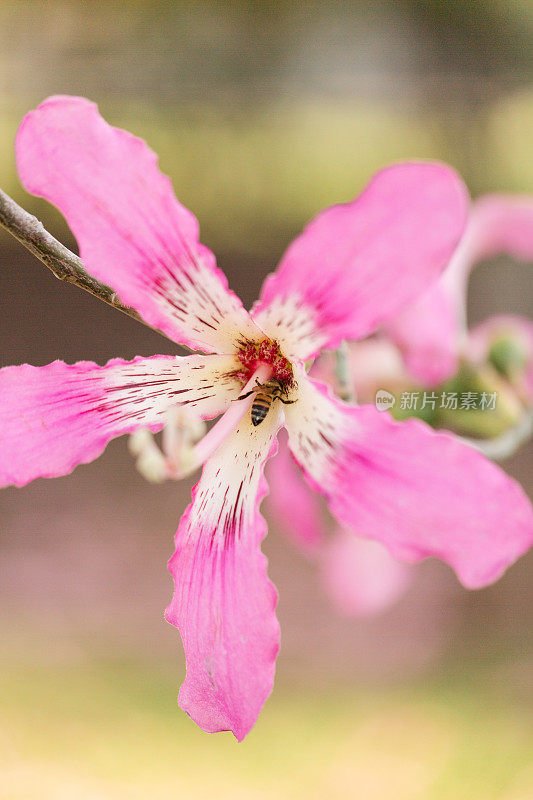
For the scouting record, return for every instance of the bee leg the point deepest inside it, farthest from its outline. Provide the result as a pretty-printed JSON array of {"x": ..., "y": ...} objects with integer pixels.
[
  {"x": 243, "y": 396},
  {"x": 285, "y": 402}
]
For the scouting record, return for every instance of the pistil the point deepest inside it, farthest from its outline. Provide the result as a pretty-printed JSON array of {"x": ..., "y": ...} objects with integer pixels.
[
  {"x": 183, "y": 449},
  {"x": 226, "y": 424}
]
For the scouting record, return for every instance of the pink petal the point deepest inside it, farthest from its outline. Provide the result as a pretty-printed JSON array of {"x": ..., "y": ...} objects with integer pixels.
[
  {"x": 224, "y": 603},
  {"x": 429, "y": 332},
  {"x": 55, "y": 417},
  {"x": 419, "y": 492},
  {"x": 360, "y": 575},
  {"x": 357, "y": 264},
  {"x": 501, "y": 224},
  {"x": 292, "y": 507},
  {"x": 374, "y": 363},
  {"x": 132, "y": 233}
]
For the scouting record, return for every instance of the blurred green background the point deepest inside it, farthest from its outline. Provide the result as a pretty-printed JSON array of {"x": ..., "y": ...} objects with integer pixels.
[{"x": 262, "y": 114}]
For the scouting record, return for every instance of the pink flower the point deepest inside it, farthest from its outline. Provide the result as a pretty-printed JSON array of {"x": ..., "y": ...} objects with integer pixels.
[
  {"x": 432, "y": 331},
  {"x": 419, "y": 492}
]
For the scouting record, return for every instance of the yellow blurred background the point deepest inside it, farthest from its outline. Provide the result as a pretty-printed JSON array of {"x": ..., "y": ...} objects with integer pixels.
[{"x": 262, "y": 113}]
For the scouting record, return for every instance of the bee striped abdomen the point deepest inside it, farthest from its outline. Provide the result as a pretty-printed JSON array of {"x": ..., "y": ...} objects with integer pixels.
[{"x": 260, "y": 407}]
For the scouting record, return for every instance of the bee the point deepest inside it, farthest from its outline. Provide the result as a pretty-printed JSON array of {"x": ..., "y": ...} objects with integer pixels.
[{"x": 265, "y": 394}]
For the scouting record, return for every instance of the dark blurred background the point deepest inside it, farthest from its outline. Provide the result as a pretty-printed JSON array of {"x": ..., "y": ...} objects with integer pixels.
[{"x": 262, "y": 113}]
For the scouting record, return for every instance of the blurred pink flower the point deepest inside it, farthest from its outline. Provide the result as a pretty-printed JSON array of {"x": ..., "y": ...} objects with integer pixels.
[
  {"x": 352, "y": 268},
  {"x": 359, "y": 576},
  {"x": 432, "y": 332}
]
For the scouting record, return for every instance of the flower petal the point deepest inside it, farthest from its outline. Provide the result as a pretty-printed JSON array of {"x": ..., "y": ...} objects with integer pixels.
[
  {"x": 431, "y": 330},
  {"x": 292, "y": 506},
  {"x": 132, "y": 232},
  {"x": 55, "y": 417},
  {"x": 501, "y": 224},
  {"x": 428, "y": 333},
  {"x": 420, "y": 492},
  {"x": 374, "y": 363},
  {"x": 360, "y": 576},
  {"x": 357, "y": 264},
  {"x": 224, "y": 603}
]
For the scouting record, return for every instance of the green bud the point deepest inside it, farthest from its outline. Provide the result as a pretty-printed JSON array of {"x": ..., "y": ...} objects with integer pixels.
[{"x": 508, "y": 355}]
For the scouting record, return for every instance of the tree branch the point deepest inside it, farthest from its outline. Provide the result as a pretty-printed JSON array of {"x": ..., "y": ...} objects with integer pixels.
[{"x": 65, "y": 265}]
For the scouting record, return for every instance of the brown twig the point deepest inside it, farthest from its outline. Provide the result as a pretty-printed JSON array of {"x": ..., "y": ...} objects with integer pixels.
[{"x": 65, "y": 265}]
